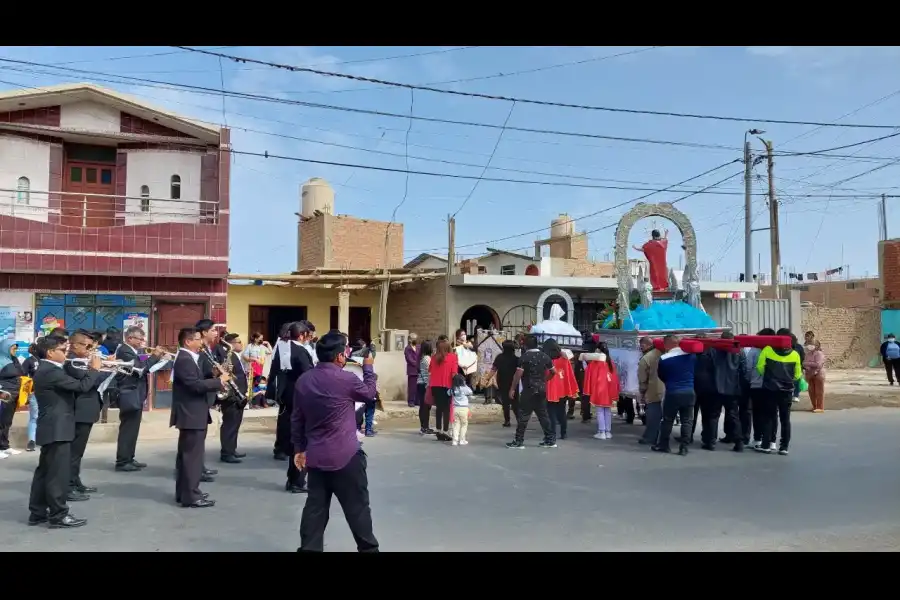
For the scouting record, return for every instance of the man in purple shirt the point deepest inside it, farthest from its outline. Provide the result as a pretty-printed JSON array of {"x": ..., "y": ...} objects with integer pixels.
[
  {"x": 323, "y": 432},
  {"x": 412, "y": 356}
]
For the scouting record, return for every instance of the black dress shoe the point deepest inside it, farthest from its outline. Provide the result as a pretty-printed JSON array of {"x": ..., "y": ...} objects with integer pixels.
[
  {"x": 280, "y": 456},
  {"x": 207, "y": 479},
  {"x": 203, "y": 503},
  {"x": 240, "y": 455},
  {"x": 231, "y": 460},
  {"x": 203, "y": 496},
  {"x": 127, "y": 468},
  {"x": 663, "y": 449},
  {"x": 298, "y": 489},
  {"x": 138, "y": 464},
  {"x": 35, "y": 520},
  {"x": 67, "y": 521},
  {"x": 74, "y": 496},
  {"x": 86, "y": 489},
  {"x": 210, "y": 472}
]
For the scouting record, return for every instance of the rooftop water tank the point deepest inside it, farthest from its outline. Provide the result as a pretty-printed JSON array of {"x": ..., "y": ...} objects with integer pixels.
[
  {"x": 316, "y": 195},
  {"x": 562, "y": 226}
]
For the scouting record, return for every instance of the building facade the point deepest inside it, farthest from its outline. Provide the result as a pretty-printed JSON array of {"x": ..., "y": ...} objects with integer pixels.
[{"x": 112, "y": 212}]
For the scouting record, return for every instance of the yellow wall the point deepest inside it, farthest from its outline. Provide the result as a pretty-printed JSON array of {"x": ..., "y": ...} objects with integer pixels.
[{"x": 318, "y": 303}]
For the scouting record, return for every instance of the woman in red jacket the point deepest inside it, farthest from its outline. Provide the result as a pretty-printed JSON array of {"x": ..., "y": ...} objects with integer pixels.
[
  {"x": 560, "y": 387},
  {"x": 444, "y": 365}
]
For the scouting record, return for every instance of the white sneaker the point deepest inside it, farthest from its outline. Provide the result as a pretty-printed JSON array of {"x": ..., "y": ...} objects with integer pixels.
[
  {"x": 608, "y": 435},
  {"x": 455, "y": 443},
  {"x": 3, "y": 455},
  {"x": 464, "y": 443},
  {"x": 13, "y": 452},
  {"x": 773, "y": 447},
  {"x": 600, "y": 436}
]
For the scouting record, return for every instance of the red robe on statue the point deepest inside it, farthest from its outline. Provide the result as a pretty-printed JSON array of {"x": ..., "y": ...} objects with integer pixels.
[{"x": 655, "y": 251}]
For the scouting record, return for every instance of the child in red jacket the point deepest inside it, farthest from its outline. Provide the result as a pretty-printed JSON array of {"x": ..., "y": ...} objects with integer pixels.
[{"x": 601, "y": 384}]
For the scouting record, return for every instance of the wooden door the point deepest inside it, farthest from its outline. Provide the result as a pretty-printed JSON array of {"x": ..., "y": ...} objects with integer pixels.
[
  {"x": 85, "y": 210},
  {"x": 259, "y": 322},
  {"x": 169, "y": 319}
]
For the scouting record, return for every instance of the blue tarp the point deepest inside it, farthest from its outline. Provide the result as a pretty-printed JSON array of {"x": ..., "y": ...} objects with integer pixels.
[{"x": 665, "y": 314}]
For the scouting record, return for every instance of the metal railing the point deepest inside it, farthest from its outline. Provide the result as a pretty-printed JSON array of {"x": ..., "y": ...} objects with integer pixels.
[{"x": 103, "y": 210}]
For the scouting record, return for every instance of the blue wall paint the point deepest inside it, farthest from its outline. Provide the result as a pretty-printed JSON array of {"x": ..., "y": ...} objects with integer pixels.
[{"x": 890, "y": 322}]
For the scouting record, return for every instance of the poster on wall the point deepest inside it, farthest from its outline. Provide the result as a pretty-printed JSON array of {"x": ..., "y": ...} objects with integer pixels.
[
  {"x": 17, "y": 324},
  {"x": 627, "y": 360},
  {"x": 136, "y": 319},
  {"x": 49, "y": 323}
]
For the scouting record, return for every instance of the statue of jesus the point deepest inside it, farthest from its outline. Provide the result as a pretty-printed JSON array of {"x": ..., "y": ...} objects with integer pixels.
[{"x": 655, "y": 252}]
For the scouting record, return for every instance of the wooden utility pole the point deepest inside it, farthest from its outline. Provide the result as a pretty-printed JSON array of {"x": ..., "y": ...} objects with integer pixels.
[
  {"x": 773, "y": 221},
  {"x": 451, "y": 260}
]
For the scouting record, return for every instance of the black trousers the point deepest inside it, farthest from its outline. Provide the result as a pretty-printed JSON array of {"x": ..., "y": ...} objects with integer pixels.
[
  {"x": 508, "y": 403},
  {"x": 79, "y": 444},
  {"x": 232, "y": 417},
  {"x": 625, "y": 406},
  {"x": 50, "y": 485},
  {"x": 129, "y": 429},
  {"x": 776, "y": 407},
  {"x": 718, "y": 403},
  {"x": 7, "y": 413},
  {"x": 189, "y": 465},
  {"x": 700, "y": 400},
  {"x": 681, "y": 404},
  {"x": 424, "y": 409},
  {"x": 283, "y": 430},
  {"x": 534, "y": 402},
  {"x": 441, "y": 398},
  {"x": 295, "y": 476},
  {"x": 757, "y": 400},
  {"x": 351, "y": 486},
  {"x": 745, "y": 416},
  {"x": 557, "y": 413},
  {"x": 891, "y": 368}
]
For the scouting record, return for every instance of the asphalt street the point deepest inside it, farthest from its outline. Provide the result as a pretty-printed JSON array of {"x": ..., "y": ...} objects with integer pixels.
[{"x": 838, "y": 490}]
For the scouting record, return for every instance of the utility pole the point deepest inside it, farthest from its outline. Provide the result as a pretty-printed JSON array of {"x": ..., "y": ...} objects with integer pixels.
[
  {"x": 748, "y": 216},
  {"x": 774, "y": 239},
  {"x": 451, "y": 260},
  {"x": 883, "y": 209}
]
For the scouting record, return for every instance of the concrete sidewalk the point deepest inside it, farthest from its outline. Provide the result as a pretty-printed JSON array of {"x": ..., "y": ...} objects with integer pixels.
[{"x": 155, "y": 424}]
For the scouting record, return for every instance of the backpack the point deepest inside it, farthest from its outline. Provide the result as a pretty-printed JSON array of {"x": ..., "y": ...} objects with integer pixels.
[{"x": 892, "y": 351}]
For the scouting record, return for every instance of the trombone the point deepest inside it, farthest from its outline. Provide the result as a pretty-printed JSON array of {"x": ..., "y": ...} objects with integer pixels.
[{"x": 124, "y": 367}]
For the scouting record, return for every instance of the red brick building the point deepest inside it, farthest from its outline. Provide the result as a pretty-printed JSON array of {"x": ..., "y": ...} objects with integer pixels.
[{"x": 109, "y": 210}]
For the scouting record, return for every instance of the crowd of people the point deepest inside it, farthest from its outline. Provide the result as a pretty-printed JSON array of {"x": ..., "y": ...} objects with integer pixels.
[{"x": 753, "y": 388}]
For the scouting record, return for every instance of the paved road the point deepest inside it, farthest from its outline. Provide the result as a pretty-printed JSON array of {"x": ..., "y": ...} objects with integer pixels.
[{"x": 839, "y": 490}]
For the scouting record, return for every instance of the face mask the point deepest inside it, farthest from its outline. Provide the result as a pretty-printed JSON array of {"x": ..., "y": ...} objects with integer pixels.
[{"x": 810, "y": 348}]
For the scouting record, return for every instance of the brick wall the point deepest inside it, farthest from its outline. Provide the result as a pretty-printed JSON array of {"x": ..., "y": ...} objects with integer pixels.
[
  {"x": 359, "y": 244},
  {"x": 850, "y": 337},
  {"x": 833, "y": 294},
  {"x": 339, "y": 241},
  {"x": 889, "y": 268},
  {"x": 312, "y": 244},
  {"x": 586, "y": 268},
  {"x": 419, "y": 307}
]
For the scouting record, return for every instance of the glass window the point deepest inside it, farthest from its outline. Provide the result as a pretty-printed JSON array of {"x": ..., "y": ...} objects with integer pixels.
[
  {"x": 145, "y": 198},
  {"x": 106, "y": 176},
  {"x": 176, "y": 188},
  {"x": 75, "y": 175},
  {"x": 90, "y": 175},
  {"x": 23, "y": 191},
  {"x": 508, "y": 270}
]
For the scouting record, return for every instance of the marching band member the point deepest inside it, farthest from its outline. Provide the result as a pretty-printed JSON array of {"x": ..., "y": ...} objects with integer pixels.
[
  {"x": 290, "y": 362},
  {"x": 209, "y": 335},
  {"x": 192, "y": 396},
  {"x": 87, "y": 412},
  {"x": 232, "y": 406},
  {"x": 56, "y": 391},
  {"x": 132, "y": 388}
]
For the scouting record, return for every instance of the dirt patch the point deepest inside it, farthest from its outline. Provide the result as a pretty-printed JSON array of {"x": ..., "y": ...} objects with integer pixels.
[{"x": 856, "y": 388}]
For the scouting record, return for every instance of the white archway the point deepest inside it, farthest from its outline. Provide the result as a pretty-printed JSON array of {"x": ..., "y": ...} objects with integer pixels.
[{"x": 570, "y": 305}]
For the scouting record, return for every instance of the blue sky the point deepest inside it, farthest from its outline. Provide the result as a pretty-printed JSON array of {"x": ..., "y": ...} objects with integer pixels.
[{"x": 829, "y": 84}]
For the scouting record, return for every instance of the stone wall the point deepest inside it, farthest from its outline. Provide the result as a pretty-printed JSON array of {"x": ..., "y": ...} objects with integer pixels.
[
  {"x": 850, "y": 337},
  {"x": 419, "y": 307}
]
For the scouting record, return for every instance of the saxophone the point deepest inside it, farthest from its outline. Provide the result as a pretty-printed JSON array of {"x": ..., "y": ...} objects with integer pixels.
[{"x": 231, "y": 388}]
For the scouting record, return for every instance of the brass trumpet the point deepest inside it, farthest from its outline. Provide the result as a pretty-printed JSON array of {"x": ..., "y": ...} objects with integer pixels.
[
  {"x": 166, "y": 354},
  {"x": 109, "y": 366}
]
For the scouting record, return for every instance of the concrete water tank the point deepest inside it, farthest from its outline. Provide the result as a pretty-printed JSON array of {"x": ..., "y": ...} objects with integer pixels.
[
  {"x": 562, "y": 226},
  {"x": 316, "y": 195}
]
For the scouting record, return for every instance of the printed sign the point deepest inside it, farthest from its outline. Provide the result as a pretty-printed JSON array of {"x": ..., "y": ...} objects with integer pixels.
[{"x": 141, "y": 320}]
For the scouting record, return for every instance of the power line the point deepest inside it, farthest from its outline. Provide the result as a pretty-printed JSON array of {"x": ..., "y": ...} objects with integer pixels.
[{"x": 424, "y": 88}]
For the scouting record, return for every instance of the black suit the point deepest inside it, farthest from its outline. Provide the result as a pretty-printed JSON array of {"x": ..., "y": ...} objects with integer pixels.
[
  {"x": 285, "y": 381},
  {"x": 56, "y": 392},
  {"x": 190, "y": 414},
  {"x": 132, "y": 395},
  {"x": 87, "y": 412},
  {"x": 233, "y": 409}
]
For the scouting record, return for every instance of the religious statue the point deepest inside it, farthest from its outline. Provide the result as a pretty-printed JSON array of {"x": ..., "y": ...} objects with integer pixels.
[
  {"x": 646, "y": 293},
  {"x": 655, "y": 252}
]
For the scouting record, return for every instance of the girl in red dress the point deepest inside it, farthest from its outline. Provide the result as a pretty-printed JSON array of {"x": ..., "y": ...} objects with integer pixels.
[
  {"x": 560, "y": 387},
  {"x": 601, "y": 384}
]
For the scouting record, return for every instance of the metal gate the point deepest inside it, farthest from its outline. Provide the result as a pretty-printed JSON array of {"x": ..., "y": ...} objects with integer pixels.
[{"x": 518, "y": 319}]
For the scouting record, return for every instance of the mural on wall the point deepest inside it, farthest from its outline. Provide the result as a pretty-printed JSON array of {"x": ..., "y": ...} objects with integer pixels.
[{"x": 17, "y": 319}]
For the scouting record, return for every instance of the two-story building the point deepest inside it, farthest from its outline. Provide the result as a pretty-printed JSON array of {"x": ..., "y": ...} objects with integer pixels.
[{"x": 112, "y": 212}]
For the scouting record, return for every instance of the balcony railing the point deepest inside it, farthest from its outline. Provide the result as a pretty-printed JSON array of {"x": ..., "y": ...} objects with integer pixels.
[{"x": 104, "y": 210}]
